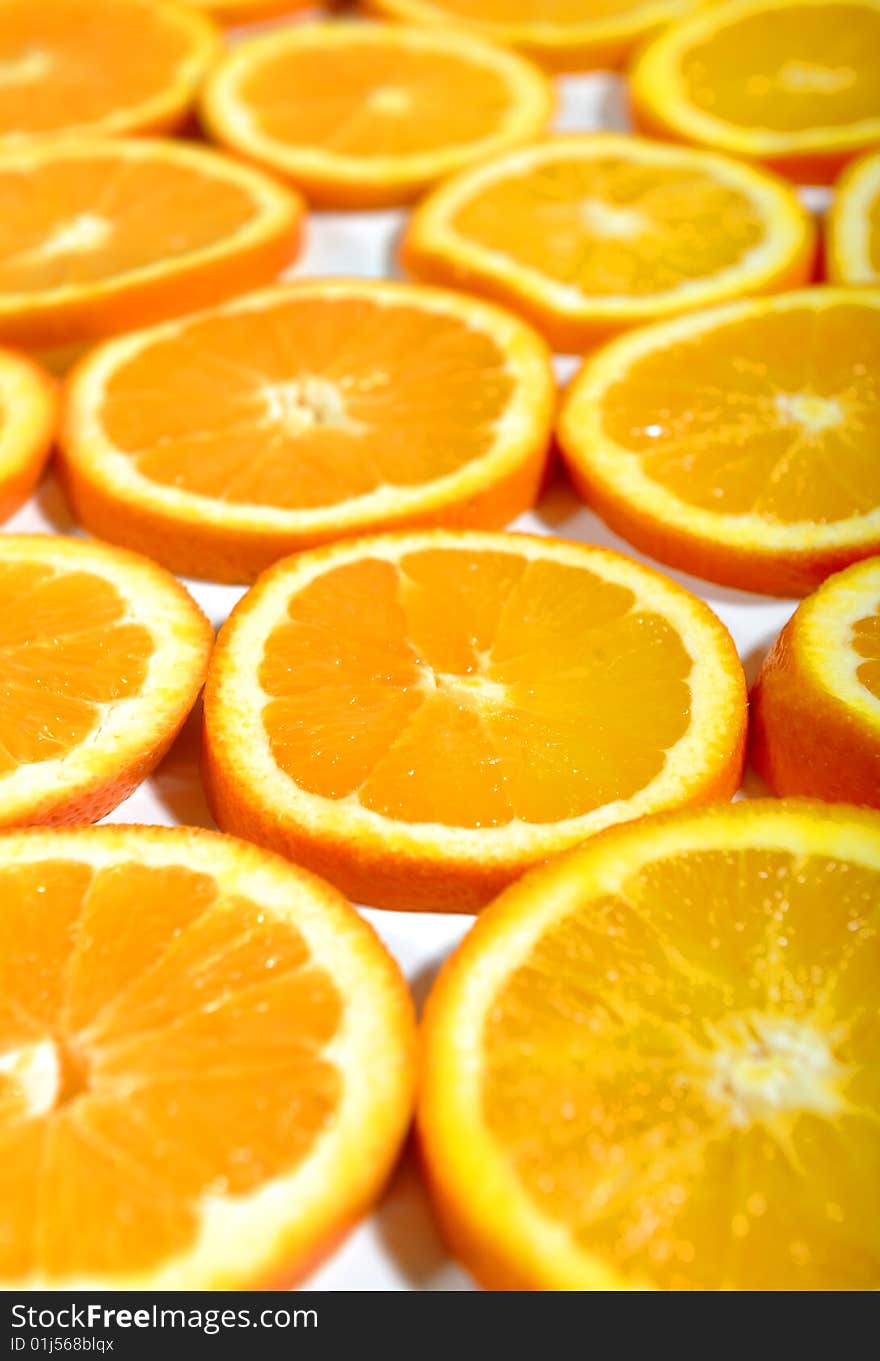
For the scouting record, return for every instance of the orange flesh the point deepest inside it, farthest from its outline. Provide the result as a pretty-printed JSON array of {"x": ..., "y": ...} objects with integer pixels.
[
  {"x": 700, "y": 1100},
  {"x": 66, "y": 650},
  {"x": 613, "y": 227},
  {"x": 78, "y": 220},
  {"x": 135, "y": 1003},
  {"x": 308, "y": 403},
  {"x": 866, "y": 643},
  {"x": 789, "y": 70},
  {"x": 562, "y": 12},
  {"x": 368, "y": 100},
  {"x": 65, "y": 62},
  {"x": 778, "y": 415},
  {"x": 472, "y": 688},
  {"x": 874, "y": 233}
]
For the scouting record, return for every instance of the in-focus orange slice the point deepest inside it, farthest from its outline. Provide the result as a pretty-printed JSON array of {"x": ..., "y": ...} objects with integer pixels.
[
  {"x": 102, "y": 656},
  {"x": 589, "y": 234},
  {"x": 424, "y": 716},
  {"x": 368, "y": 115},
  {"x": 789, "y": 83},
  {"x": 816, "y": 703},
  {"x": 653, "y": 1063},
  {"x": 740, "y": 443},
  {"x": 206, "y": 1062},
  {"x": 99, "y": 66},
  {"x": 28, "y": 414},
  {"x": 101, "y": 235},
  {"x": 852, "y": 253},
  {"x": 219, "y": 443},
  {"x": 564, "y": 35}
]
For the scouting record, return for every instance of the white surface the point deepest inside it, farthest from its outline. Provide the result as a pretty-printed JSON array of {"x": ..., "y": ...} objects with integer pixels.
[{"x": 397, "y": 1248}]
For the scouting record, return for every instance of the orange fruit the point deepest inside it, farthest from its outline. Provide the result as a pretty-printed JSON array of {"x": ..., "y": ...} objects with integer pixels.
[
  {"x": 816, "y": 702},
  {"x": 652, "y": 1063},
  {"x": 564, "y": 35},
  {"x": 103, "y": 655},
  {"x": 250, "y": 11},
  {"x": 28, "y": 410},
  {"x": 423, "y": 716},
  {"x": 791, "y": 84},
  {"x": 590, "y": 234},
  {"x": 853, "y": 225},
  {"x": 219, "y": 443},
  {"x": 370, "y": 115},
  {"x": 99, "y": 66},
  {"x": 206, "y": 1062},
  {"x": 740, "y": 443},
  {"x": 101, "y": 235}
]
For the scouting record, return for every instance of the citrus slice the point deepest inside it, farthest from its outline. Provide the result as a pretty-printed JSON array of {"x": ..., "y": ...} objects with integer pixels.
[
  {"x": 219, "y": 443},
  {"x": 206, "y": 1062},
  {"x": 563, "y": 35},
  {"x": 589, "y": 234},
  {"x": 423, "y": 716},
  {"x": 652, "y": 1064},
  {"x": 102, "y": 656},
  {"x": 99, "y": 66},
  {"x": 739, "y": 444},
  {"x": 28, "y": 410},
  {"x": 789, "y": 83},
  {"x": 370, "y": 115},
  {"x": 103, "y": 235},
  {"x": 816, "y": 703},
  {"x": 853, "y": 225},
  {"x": 250, "y": 11}
]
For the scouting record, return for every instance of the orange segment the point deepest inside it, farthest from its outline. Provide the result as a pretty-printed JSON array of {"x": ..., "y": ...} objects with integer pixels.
[
  {"x": 564, "y": 35},
  {"x": 102, "y": 655},
  {"x": 28, "y": 417},
  {"x": 204, "y": 1100},
  {"x": 426, "y": 715},
  {"x": 589, "y": 234},
  {"x": 99, "y": 66},
  {"x": 738, "y": 444},
  {"x": 365, "y": 115},
  {"x": 221, "y": 442},
  {"x": 853, "y": 225},
  {"x": 101, "y": 236},
  {"x": 790, "y": 83},
  {"x": 816, "y": 703},
  {"x": 651, "y": 1063}
]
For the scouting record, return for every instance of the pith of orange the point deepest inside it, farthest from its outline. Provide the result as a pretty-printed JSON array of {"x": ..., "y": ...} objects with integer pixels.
[
  {"x": 852, "y": 254},
  {"x": 28, "y": 417}
]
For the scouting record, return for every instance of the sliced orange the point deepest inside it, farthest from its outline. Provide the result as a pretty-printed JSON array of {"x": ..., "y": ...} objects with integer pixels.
[
  {"x": 206, "y": 1062},
  {"x": 100, "y": 235},
  {"x": 251, "y": 11},
  {"x": 102, "y": 656},
  {"x": 369, "y": 115},
  {"x": 653, "y": 1063},
  {"x": 739, "y": 444},
  {"x": 423, "y": 716},
  {"x": 816, "y": 702},
  {"x": 788, "y": 83},
  {"x": 589, "y": 234},
  {"x": 28, "y": 414},
  {"x": 219, "y": 443},
  {"x": 564, "y": 35},
  {"x": 99, "y": 66},
  {"x": 852, "y": 253}
]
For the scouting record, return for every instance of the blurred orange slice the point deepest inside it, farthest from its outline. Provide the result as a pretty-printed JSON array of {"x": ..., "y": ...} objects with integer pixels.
[
  {"x": 28, "y": 414},
  {"x": 853, "y": 225}
]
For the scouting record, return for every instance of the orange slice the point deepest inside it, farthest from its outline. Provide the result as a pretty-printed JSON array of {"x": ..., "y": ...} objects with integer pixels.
[
  {"x": 221, "y": 442},
  {"x": 564, "y": 35},
  {"x": 589, "y": 234},
  {"x": 99, "y": 66},
  {"x": 853, "y": 225},
  {"x": 28, "y": 410},
  {"x": 102, "y": 656},
  {"x": 816, "y": 703},
  {"x": 206, "y": 1062},
  {"x": 103, "y": 235},
  {"x": 652, "y": 1064},
  {"x": 739, "y": 444},
  {"x": 370, "y": 115},
  {"x": 423, "y": 716},
  {"x": 789, "y": 83},
  {"x": 250, "y": 11}
]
